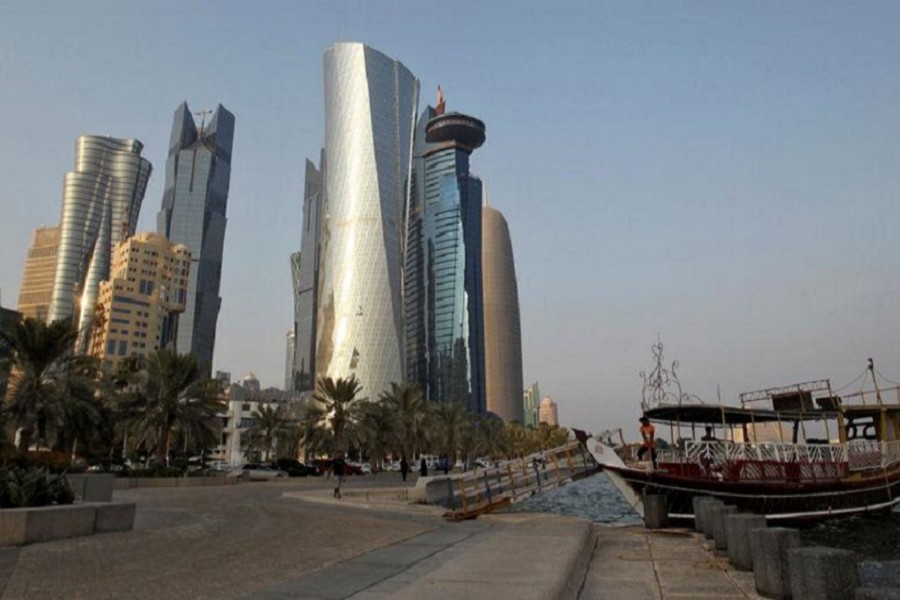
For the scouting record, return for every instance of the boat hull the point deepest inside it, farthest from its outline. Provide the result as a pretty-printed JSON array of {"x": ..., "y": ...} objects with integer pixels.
[{"x": 784, "y": 501}]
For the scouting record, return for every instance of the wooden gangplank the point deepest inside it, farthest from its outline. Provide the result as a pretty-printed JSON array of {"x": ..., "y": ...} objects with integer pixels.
[{"x": 483, "y": 490}]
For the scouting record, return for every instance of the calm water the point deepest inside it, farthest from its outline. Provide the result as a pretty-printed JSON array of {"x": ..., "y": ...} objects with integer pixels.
[{"x": 872, "y": 537}]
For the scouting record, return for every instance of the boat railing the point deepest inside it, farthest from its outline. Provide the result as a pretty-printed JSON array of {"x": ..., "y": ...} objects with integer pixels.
[
  {"x": 870, "y": 454},
  {"x": 771, "y": 461}
]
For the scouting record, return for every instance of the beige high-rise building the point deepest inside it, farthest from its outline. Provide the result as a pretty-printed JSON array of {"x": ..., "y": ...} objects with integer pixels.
[
  {"x": 549, "y": 411},
  {"x": 502, "y": 333},
  {"x": 138, "y": 306},
  {"x": 40, "y": 272}
]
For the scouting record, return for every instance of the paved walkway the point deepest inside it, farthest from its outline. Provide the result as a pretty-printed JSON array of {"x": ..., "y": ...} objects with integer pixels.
[
  {"x": 633, "y": 563},
  {"x": 291, "y": 540},
  {"x": 205, "y": 542}
]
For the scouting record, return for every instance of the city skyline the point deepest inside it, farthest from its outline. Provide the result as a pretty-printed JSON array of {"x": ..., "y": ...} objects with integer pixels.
[{"x": 723, "y": 178}]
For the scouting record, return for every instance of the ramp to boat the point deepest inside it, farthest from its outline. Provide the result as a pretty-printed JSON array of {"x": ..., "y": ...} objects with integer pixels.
[{"x": 468, "y": 495}]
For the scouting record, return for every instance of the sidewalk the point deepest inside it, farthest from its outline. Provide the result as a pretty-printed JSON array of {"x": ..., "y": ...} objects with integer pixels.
[
  {"x": 634, "y": 563},
  {"x": 483, "y": 558}
]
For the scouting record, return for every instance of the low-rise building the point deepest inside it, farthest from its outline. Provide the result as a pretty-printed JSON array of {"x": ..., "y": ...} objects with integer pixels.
[{"x": 138, "y": 307}]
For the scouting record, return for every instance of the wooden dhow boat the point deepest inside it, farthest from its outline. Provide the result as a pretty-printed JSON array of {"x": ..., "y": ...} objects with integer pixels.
[{"x": 808, "y": 454}]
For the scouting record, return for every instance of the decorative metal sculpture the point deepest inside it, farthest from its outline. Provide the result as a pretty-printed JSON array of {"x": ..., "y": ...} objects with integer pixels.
[{"x": 661, "y": 385}]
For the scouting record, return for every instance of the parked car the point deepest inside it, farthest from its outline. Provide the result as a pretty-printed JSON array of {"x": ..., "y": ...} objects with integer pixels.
[
  {"x": 258, "y": 472},
  {"x": 293, "y": 467}
]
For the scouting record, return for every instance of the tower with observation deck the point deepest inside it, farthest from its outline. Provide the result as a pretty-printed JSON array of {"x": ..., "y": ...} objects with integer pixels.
[{"x": 444, "y": 309}]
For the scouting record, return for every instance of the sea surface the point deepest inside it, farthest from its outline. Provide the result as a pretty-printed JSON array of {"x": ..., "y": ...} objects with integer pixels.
[{"x": 872, "y": 537}]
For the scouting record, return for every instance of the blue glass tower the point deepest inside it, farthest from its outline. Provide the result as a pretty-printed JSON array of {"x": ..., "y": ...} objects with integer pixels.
[
  {"x": 443, "y": 285},
  {"x": 198, "y": 172}
]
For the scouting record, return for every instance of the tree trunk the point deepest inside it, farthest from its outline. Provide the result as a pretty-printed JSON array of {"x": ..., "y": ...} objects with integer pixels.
[{"x": 162, "y": 451}]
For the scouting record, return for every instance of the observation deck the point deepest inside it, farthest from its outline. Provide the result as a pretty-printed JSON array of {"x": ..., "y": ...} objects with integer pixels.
[{"x": 456, "y": 128}]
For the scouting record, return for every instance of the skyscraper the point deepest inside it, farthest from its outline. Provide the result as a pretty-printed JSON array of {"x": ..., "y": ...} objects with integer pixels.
[
  {"x": 549, "y": 411},
  {"x": 198, "y": 172},
  {"x": 147, "y": 286},
  {"x": 370, "y": 111},
  {"x": 101, "y": 201},
  {"x": 39, "y": 274},
  {"x": 530, "y": 400},
  {"x": 502, "y": 333},
  {"x": 443, "y": 283},
  {"x": 305, "y": 271}
]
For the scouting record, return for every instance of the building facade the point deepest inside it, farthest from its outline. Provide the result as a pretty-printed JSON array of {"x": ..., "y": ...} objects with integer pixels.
[
  {"x": 443, "y": 277},
  {"x": 549, "y": 411},
  {"x": 530, "y": 402},
  {"x": 502, "y": 332},
  {"x": 305, "y": 271},
  {"x": 101, "y": 201},
  {"x": 370, "y": 111},
  {"x": 289, "y": 350},
  {"x": 40, "y": 273},
  {"x": 195, "y": 199},
  {"x": 138, "y": 306}
]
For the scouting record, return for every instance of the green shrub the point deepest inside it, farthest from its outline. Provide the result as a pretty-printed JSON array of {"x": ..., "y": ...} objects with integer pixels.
[{"x": 20, "y": 488}]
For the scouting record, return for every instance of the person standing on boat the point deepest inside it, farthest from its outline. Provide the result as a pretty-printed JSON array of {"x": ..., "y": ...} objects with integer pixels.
[
  {"x": 648, "y": 440},
  {"x": 710, "y": 436}
]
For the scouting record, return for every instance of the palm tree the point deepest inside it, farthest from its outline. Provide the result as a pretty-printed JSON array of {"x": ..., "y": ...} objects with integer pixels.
[
  {"x": 380, "y": 425},
  {"x": 451, "y": 418},
  {"x": 491, "y": 441},
  {"x": 411, "y": 413},
  {"x": 340, "y": 410},
  {"x": 174, "y": 395},
  {"x": 515, "y": 440},
  {"x": 48, "y": 386},
  {"x": 267, "y": 425}
]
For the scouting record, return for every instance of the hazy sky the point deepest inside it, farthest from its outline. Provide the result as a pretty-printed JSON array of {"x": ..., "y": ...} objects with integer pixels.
[{"x": 722, "y": 174}]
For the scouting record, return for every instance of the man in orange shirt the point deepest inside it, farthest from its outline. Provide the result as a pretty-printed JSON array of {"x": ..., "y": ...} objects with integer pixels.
[{"x": 648, "y": 440}]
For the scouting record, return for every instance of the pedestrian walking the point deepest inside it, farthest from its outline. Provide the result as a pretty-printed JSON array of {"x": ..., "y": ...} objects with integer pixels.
[
  {"x": 423, "y": 468},
  {"x": 404, "y": 468},
  {"x": 337, "y": 466}
]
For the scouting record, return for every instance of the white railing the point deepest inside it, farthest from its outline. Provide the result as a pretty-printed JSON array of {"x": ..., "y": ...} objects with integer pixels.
[
  {"x": 779, "y": 461},
  {"x": 866, "y": 454}
]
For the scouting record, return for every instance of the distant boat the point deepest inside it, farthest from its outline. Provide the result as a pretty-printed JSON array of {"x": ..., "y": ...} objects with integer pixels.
[{"x": 841, "y": 455}]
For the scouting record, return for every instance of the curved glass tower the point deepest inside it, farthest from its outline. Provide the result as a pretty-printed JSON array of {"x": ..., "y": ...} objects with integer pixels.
[
  {"x": 502, "y": 333},
  {"x": 370, "y": 111},
  {"x": 443, "y": 285},
  {"x": 101, "y": 201}
]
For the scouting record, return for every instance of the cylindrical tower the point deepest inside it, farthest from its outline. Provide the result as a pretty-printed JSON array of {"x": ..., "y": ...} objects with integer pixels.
[
  {"x": 502, "y": 332},
  {"x": 101, "y": 201}
]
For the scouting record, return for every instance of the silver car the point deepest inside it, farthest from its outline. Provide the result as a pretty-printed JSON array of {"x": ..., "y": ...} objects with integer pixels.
[{"x": 258, "y": 472}]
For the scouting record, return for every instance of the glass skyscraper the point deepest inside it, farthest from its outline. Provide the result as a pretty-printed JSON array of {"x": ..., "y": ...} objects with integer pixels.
[
  {"x": 370, "y": 111},
  {"x": 101, "y": 201},
  {"x": 198, "y": 172},
  {"x": 305, "y": 273},
  {"x": 443, "y": 285}
]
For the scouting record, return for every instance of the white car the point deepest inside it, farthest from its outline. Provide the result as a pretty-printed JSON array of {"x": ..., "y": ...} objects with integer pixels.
[{"x": 258, "y": 472}]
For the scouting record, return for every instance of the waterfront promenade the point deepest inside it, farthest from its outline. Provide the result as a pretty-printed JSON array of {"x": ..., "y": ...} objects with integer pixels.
[{"x": 291, "y": 540}]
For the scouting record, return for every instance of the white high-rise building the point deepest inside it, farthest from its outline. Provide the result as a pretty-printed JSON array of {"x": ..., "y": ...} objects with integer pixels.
[{"x": 370, "y": 110}]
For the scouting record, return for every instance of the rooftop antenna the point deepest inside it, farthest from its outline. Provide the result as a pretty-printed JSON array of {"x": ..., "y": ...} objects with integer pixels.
[
  {"x": 440, "y": 103},
  {"x": 203, "y": 114}
]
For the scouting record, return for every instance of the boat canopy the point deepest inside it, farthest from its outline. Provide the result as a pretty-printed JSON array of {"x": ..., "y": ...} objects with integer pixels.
[{"x": 731, "y": 415}]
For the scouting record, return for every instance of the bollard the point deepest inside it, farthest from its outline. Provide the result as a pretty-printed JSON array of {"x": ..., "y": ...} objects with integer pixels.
[
  {"x": 706, "y": 513},
  {"x": 717, "y": 516},
  {"x": 819, "y": 573},
  {"x": 737, "y": 536},
  {"x": 769, "y": 548},
  {"x": 656, "y": 511},
  {"x": 697, "y": 502}
]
